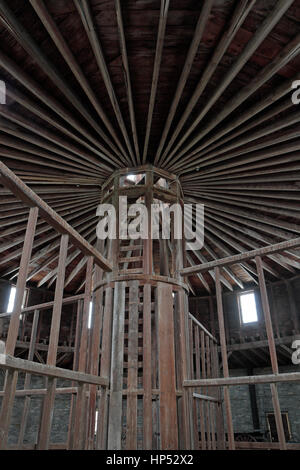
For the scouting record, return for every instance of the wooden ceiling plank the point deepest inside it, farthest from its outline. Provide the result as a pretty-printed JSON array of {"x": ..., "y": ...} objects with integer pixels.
[
  {"x": 241, "y": 12},
  {"x": 279, "y": 92},
  {"x": 28, "y": 43},
  {"x": 272, "y": 128},
  {"x": 126, "y": 69},
  {"x": 84, "y": 10},
  {"x": 36, "y": 109},
  {"x": 198, "y": 34},
  {"x": 258, "y": 37},
  {"x": 62, "y": 46},
  {"x": 86, "y": 160},
  {"x": 221, "y": 229},
  {"x": 17, "y": 72},
  {"x": 289, "y": 52},
  {"x": 157, "y": 61}
]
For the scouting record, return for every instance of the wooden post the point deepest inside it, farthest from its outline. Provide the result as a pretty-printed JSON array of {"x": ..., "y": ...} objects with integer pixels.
[
  {"x": 117, "y": 357},
  {"x": 272, "y": 348},
  {"x": 224, "y": 358},
  {"x": 21, "y": 283},
  {"x": 182, "y": 312},
  {"x": 28, "y": 378},
  {"x": 148, "y": 243},
  {"x": 147, "y": 367},
  {"x": 97, "y": 329},
  {"x": 47, "y": 412},
  {"x": 219, "y": 412},
  {"x": 166, "y": 354},
  {"x": 131, "y": 415},
  {"x": 105, "y": 367},
  {"x": 75, "y": 367},
  {"x": 79, "y": 423}
]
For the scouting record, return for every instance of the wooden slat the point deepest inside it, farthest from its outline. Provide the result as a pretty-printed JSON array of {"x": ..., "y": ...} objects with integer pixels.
[
  {"x": 21, "y": 283},
  {"x": 28, "y": 378},
  {"x": 224, "y": 358},
  {"x": 131, "y": 414},
  {"x": 167, "y": 384},
  {"x": 116, "y": 385},
  {"x": 80, "y": 410},
  {"x": 272, "y": 349},
  {"x": 57, "y": 306},
  {"x": 48, "y": 404},
  {"x": 147, "y": 367},
  {"x": 105, "y": 367},
  {"x": 245, "y": 380}
]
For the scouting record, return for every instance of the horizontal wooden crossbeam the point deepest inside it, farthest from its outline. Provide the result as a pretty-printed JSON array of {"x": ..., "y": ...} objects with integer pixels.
[
  {"x": 21, "y": 365},
  {"x": 266, "y": 250}
]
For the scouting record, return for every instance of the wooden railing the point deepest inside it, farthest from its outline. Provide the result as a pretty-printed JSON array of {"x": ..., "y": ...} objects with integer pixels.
[
  {"x": 82, "y": 378},
  {"x": 207, "y": 403},
  {"x": 227, "y": 381}
]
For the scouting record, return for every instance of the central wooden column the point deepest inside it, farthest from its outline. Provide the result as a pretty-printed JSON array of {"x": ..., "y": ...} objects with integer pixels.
[{"x": 143, "y": 330}]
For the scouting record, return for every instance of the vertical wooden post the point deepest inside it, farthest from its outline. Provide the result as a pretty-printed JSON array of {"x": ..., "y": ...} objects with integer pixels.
[
  {"x": 148, "y": 243},
  {"x": 75, "y": 367},
  {"x": 21, "y": 282},
  {"x": 272, "y": 348},
  {"x": 105, "y": 367},
  {"x": 58, "y": 297},
  {"x": 219, "y": 411},
  {"x": 28, "y": 378},
  {"x": 83, "y": 356},
  {"x": 182, "y": 312},
  {"x": 47, "y": 412},
  {"x": 117, "y": 358},
  {"x": 167, "y": 382},
  {"x": 131, "y": 415},
  {"x": 79, "y": 424},
  {"x": 224, "y": 358},
  {"x": 97, "y": 330},
  {"x": 147, "y": 367},
  {"x": 47, "y": 415},
  {"x": 205, "y": 410}
]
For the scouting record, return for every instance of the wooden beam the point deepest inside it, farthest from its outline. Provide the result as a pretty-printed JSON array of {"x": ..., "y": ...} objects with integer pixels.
[
  {"x": 295, "y": 242},
  {"x": 84, "y": 10},
  {"x": 288, "y": 377},
  {"x": 199, "y": 30},
  {"x": 34, "y": 368},
  {"x": 29, "y": 197},
  {"x": 164, "y": 7},
  {"x": 242, "y": 9}
]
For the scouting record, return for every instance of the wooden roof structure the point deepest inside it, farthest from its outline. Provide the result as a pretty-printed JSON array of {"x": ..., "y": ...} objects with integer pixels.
[{"x": 200, "y": 89}]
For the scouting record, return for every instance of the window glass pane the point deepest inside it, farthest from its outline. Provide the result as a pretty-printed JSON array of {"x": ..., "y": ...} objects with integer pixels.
[
  {"x": 90, "y": 315},
  {"x": 11, "y": 301},
  {"x": 248, "y": 308}
]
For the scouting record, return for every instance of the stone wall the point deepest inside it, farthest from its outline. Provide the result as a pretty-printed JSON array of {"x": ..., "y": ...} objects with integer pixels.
[
  {"x": 59, "y": 430},
  {"x": 289, "y": 397}
]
